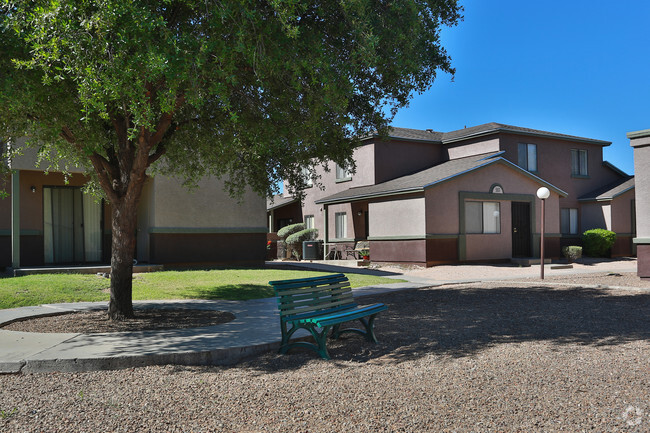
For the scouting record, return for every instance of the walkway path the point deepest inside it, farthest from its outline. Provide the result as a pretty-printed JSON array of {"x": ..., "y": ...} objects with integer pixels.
[{"x": 255, "y": 329}]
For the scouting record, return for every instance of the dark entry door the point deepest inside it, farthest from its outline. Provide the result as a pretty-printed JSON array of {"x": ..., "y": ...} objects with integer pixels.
[{"x": 521, "y": 237}]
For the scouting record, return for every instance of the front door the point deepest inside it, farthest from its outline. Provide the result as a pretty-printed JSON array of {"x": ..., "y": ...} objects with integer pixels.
[
  {"x": 521, "y": 236},
  {"x": 72, "y": 231}
]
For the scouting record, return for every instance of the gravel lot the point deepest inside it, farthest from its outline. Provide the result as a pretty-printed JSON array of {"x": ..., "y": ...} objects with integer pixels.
[{"x": 492, "y": 357}]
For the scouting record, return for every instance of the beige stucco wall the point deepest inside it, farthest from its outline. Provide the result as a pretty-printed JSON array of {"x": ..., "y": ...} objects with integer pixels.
[
  {"x": 622, "y": 213},
  {"x": 477, "y": 146},
  {"x": 642, "y": 183},
  {"x": 397, "y": 158},
  {"x": 209, "y": 206},
  {"x": 443, "y": 209},
  {"x": 364, "y": 175},
  {"x": 442, "y": 205},
  {"x": 29, "y": 156},
  {"x": 595, "y": 216},
  {"x": 397, "y": 218},
  {"x": 554, "y": 165}
]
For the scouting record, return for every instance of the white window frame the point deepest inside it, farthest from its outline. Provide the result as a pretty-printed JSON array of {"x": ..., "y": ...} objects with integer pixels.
[
  {"x": 309, "y": 221},
  {"x": 569, "y": 216},
  {"x": 527, "y": 156},
  {"x": 342, "y": 174},
  {"x": 340, "y": 225},
  {"x": 306, "y": 174},
  {"x": 489, "y": 213},
  {"x": 579, "y": 163}
]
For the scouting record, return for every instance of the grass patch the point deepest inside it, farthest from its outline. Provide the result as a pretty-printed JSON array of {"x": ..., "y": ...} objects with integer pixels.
[{"x": 230, "y": 284}]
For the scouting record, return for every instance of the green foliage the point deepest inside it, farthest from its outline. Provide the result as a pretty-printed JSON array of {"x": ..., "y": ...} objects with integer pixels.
[
  {"x": 301, "y": 236},
  {"x": 8, "y": 414},
  {"x": 287, "y": 231},
  {"x": 231, "y": 284},
  {"x": 253, "y": 90},
  {"x": 572, "y": 253},
  {"x": 598, "y": 242}
]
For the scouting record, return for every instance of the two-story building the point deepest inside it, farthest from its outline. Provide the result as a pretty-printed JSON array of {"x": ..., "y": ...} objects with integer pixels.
[
  {"x": 426, "y": 197},
  {"x": 49, "y": 220}
]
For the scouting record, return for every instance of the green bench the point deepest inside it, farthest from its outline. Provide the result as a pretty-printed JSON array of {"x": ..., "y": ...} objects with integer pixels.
[{"x": 321, "y": 304}]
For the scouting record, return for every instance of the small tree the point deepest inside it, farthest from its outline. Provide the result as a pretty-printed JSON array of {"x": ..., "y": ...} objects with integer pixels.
[
  {"x": 295, "y": 241},
  {"x": 285, "y": 232}
]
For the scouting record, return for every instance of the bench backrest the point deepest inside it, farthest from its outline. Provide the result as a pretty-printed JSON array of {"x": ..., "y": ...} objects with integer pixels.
[{"x": 309, "y": 296}]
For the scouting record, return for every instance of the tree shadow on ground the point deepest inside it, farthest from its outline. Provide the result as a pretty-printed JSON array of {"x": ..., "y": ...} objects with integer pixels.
[
  {"x": 463, "y": 321},
  {"x": 231, "y": 292}
]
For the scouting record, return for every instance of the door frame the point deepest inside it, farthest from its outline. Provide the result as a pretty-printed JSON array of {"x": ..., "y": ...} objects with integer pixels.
[
  {"x": 101, "y": 225},
  {"x": 512, "y": 228}
]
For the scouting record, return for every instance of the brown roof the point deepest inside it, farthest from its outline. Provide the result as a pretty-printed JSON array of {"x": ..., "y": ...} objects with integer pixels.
[
  {"x": 611, "y": 191},
  {"x": 278, "y": 201},
  {"x": 479, "y": 130}
]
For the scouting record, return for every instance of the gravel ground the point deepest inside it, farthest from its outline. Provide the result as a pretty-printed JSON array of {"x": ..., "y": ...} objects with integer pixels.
[{"x": 495, "y": 357}]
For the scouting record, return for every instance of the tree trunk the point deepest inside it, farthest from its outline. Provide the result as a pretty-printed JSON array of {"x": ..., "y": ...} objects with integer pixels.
[{"x": 124, "y": 224}]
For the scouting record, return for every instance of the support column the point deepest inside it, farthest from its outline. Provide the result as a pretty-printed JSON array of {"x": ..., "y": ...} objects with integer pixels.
[
  {"x": 325, "y": 234},
  {"x": 640, "y": 141},
  {"x": 15, "y": 219}
]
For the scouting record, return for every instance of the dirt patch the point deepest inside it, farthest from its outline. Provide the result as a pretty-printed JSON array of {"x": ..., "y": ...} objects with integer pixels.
[{"x": 89, "y": 322}]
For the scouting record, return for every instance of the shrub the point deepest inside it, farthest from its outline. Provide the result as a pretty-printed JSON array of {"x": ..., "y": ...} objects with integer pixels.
[
  {"x": 301, "y": 236},
  {"x": 295, "y": 241},
  {"x": 597, "y": 242},
  {"x": 572, "y": 253},
  {"x": 287, "y": 231}
]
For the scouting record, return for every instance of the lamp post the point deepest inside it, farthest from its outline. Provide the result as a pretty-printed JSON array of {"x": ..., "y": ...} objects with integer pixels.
[{"x": 543, "y": 193}]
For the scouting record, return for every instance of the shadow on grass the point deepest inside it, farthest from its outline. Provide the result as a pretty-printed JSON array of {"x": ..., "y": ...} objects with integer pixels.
[
  {"x": 233, "y": 292},
  {"x": 460, "y": 322}
]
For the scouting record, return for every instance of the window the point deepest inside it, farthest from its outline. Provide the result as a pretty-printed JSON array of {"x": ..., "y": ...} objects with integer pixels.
[
  {"x": 482, "y": 217},
  {"x": 569, "y": 221},
  {"x": 579, "y": 162},
  {"x": 342, "y": 173},
  {"x": 527, "y": 156},
  {"x": 306, "y": 174},
  {"x": 309, "y": 221},
  {"x": 340, "y": 219}
]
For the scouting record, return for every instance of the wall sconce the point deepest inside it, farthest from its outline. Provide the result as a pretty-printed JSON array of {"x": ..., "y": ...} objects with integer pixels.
[
  {"x": 33, "y": 189},
  {"x": 359, "y": 213}
]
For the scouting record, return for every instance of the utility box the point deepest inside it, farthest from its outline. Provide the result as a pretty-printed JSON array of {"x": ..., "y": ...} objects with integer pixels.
[{"x": 312, "y": 250}]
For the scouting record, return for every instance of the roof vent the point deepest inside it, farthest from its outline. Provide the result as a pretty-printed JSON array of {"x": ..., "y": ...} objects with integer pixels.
[{"x": 430, "y": 130}]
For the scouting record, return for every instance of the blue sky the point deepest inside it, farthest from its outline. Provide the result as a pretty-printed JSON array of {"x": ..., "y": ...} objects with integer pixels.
[{"x": 572, "y": 67}]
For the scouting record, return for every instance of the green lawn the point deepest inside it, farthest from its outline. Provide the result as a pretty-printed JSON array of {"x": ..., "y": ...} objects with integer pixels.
[{"x": 231, "y": 284}]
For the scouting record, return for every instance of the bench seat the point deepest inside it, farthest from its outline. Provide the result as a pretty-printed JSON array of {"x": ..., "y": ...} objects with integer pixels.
[{"x": 321, "y": 305}]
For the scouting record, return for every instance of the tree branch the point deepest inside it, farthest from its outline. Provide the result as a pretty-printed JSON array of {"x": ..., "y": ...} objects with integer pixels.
[
  {"x": 164, "y": 122},
  {"x": 160, "y": 151}
]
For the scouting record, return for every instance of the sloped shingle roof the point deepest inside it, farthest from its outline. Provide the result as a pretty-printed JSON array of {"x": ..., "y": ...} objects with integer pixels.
[
  {"x": 486, "y": 128},
  {"x": 609, "y": 192},
  {"x": 278, "y": 201},
  {"x": 419, "y": 181}
]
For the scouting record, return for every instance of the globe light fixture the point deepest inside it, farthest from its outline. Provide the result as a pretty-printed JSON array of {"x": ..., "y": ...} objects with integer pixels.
[{"x": 543, "y": 193}]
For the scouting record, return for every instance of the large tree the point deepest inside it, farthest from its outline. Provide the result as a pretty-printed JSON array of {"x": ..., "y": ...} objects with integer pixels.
[{"x": 247, "y": 90}]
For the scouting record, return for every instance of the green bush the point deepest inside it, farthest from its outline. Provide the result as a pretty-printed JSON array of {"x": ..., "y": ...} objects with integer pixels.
[
  {"x": 598, "y": 242},
  {"x": 294, "y": 242},
  {"x": 572, "y": 253},
  {"x": 287, "y": 231},
  {"x": 301, "y": 236}
]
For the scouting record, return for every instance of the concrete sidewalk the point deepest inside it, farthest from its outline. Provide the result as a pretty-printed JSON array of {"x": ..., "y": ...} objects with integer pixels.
[{"x": 254, "y": 330}]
